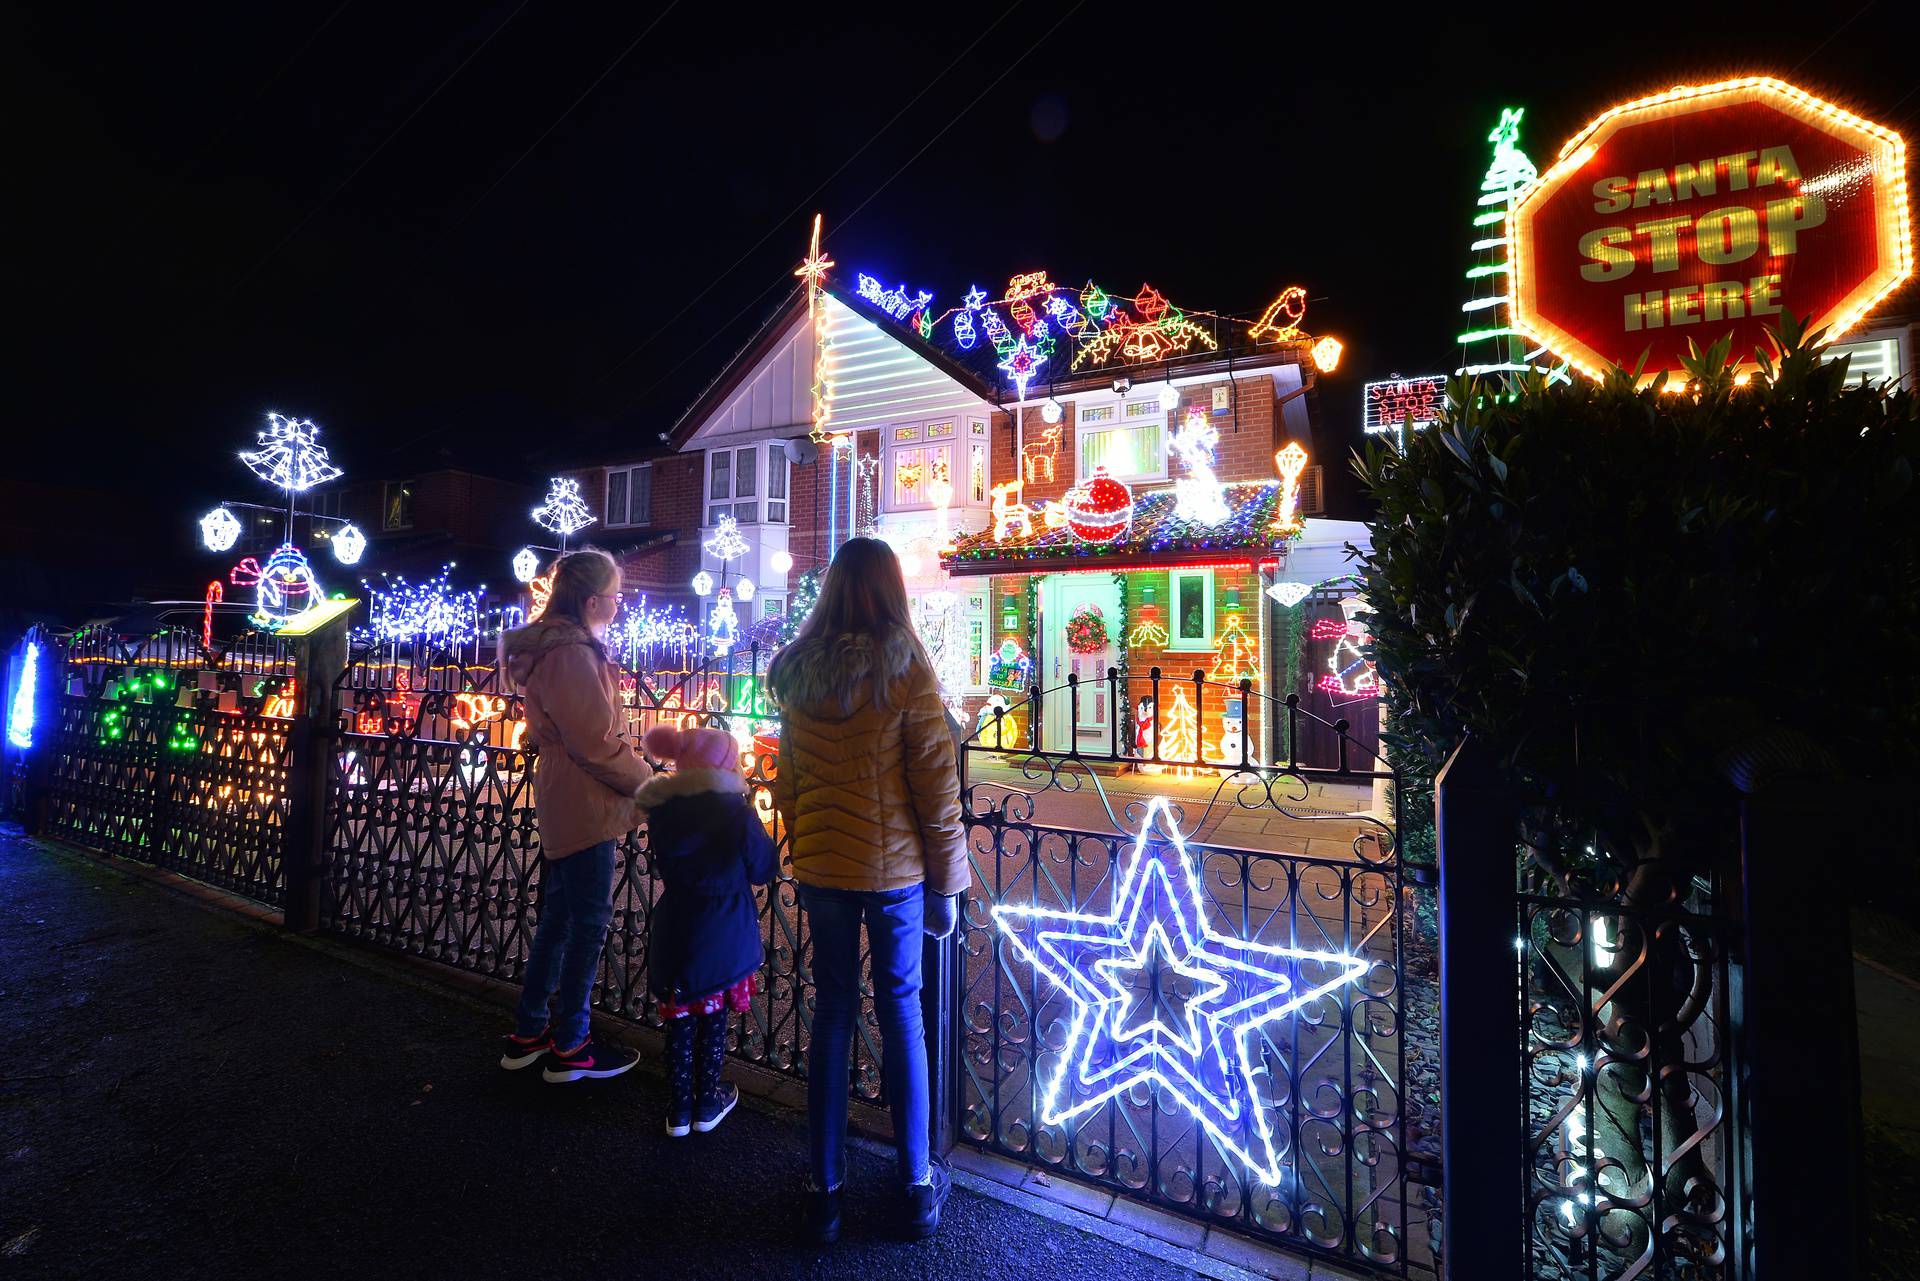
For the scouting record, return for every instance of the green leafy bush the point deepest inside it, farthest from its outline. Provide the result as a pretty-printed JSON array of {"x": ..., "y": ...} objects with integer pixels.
[{"x": 1612, "y": 586}]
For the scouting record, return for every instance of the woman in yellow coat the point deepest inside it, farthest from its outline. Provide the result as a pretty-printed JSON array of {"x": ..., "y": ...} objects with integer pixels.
[{"x": 870, "y": 797}]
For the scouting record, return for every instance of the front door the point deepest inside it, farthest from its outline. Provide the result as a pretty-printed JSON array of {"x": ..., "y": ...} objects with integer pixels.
[{"x": 1087, "y": 652}]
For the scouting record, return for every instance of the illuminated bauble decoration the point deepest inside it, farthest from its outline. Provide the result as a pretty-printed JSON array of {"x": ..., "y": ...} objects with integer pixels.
[
  {"x": 744, "y": 589},
  {"x": 1100, "y": 510},
  {"x": 526, "y": 565},
  {"x": 1050, "y": 410},
  {"x": 219, "y": 529},
  {"x": 781, "y": 562},
  {"x": 1164, "y": 1001},
  {"x": 703, "y": 584},
  {"x": 348, "y": 544},
  {"x": 1290, "y": 594}
]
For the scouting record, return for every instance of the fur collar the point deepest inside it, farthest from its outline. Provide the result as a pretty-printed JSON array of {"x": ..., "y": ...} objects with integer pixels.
[
  {"x": 834, "y": 671},
  {"x": 526, "y": 646},
  {"x": 662, "y": 788}
]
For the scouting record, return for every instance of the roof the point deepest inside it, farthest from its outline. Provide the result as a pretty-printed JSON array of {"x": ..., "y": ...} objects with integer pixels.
[{"x": 1158, "y": 537}]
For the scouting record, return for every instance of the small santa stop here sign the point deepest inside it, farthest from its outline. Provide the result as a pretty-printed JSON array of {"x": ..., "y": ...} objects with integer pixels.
[{"x": 1707, "y": 210}]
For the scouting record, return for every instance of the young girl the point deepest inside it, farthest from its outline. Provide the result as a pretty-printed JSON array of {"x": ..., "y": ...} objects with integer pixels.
[
  {"x": 583, "y": 789},
  {"x": 709, "y": 848}
]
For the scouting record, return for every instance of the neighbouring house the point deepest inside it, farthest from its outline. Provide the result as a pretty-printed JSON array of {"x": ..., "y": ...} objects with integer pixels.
[{"x": 415, "y": 522}]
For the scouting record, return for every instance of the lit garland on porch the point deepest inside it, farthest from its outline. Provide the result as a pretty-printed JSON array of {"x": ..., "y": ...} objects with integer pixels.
[{"x": 1157, "y": 528}]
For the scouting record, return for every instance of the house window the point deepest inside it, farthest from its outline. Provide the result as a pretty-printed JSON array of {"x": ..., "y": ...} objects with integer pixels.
[
  {"x": 978, "y": 472},
  {"x": 917, "y": 456},
  {"x": 733, "y": 474},
  {"x": 1128, "y": 438},
  {"x": 1191, "y": 609},
  {"x": 630, "y": 495},
  {"x": 776, "y": 484},
  {"x": 963, "y": 668},
  {"x": 326, "y": 504},
  {"x": 397, "y": 505}
]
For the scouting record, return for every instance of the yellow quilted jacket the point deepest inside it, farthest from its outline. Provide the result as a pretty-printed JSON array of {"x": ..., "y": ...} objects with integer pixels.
[{"x": 869, "y": 796}]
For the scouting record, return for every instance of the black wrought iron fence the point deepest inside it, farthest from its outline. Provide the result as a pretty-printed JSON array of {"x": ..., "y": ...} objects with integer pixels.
[{"x": 1277, "y": 1108}]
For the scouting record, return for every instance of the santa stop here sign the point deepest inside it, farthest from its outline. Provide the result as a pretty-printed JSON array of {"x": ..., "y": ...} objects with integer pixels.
[{"x": 1707, "y": 210}]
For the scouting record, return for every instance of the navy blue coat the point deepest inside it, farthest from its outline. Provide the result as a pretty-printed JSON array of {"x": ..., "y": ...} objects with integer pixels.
[{"x": 709, "y": 849}]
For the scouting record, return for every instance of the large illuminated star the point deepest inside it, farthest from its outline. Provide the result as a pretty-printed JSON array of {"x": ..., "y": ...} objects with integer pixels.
[{"x": 1154, "y": 953}]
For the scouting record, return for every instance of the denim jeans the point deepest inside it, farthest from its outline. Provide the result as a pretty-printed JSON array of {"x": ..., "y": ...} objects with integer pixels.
[
  {"x": 576, "y": 902},
  {"x": 893, "y": 919}
]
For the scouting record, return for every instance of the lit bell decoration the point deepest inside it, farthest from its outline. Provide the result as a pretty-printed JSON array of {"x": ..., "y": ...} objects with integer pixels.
[{"x": 1100, "y": 510}]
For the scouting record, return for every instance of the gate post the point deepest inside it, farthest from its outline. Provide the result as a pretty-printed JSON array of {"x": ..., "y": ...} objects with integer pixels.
[
  {"x": 940, "y": 1000},
  {"x": 319, "y": 660},
  {"x": 1483, "y": 1096}
]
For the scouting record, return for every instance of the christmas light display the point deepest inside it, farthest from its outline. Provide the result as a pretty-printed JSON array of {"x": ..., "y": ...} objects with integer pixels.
[
  {"x": 1100, "y": 510},
  {"x": 648, "y": 636},
  {"x": 1021, "y": 364},
  {"x": 1494, "y": 346},
  {"x": 1280, "y": 322},
  {"x": 1349, "y": 675},
  {"x": 290, "y": 457},
  {"x": 219, "y": 529},
  {"x": 431, "y": 611},
  {"x": 1148, "y": 633},
  {"x": 996, "y": 726},
  {"x": 1087, "y": 631},
  {"x": 216, "y": 593},
  {"x": 806, "y": 594},
  {"x": 1291, "y": 463},
  {"x": 703, "y": 584},
  {"x": 540, "y": 590},
  {"x": 20, "y": 711},
  {"x": 1237, "y": 657},
  {"x": 348, "y": 543},
  {"x": 1156, "y": 528},
  {"x": 1011, "y": 667},
  {"x": 1395, "y": 404},
  {"x": 781, "y": 562},
  {"x": 722, "y": 624},
  {"x": 896, "y": 302},
  {"x": 1326, "y": 354},
  {"x": 526, "y": 565},
  {"x": 1290, "y": 594},
  {"x": 1037, "y": 456},
  {"x": 744, "y": 589},
  {"x": 1198, "y": 494},
  {"x": 285, "y": 587},
  {"x": 1156, "y": 952},
  {"x": 1011, "y": 517},
  {"x": 1180, "y": 732},
  {"x": 565, "y": 511},
  {"x": 1051, "y": 410},
  {"x": 813, "y": 272},
  {"x": 727, "y": 543}
]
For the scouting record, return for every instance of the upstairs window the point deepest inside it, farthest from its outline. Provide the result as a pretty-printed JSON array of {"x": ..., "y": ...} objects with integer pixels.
[
  {"x": 733, "y": 474},
  {"x": 397, "y": 505},
  {"x": 630, "y": 495},
  {"x": 776, "y": 484},
  {"x": 1127, "y": 437}
]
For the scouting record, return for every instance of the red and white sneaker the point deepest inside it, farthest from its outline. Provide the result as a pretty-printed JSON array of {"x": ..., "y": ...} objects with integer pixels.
[
  {"x": 524, "y": 1051},
  {"x": 591, "y": 1060}
]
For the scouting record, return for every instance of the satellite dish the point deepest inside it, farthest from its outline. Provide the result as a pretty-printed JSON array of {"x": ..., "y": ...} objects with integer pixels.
[{"x": 800, "y": 451}]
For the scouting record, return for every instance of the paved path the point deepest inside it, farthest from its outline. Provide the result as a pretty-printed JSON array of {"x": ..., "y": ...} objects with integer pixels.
[{"x": 186, "y": 1095}]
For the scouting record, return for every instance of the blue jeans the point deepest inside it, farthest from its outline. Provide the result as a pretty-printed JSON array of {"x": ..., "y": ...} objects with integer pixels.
[
  {"x": 576, "y": 902},
  {"x": 893, "y": 919}
]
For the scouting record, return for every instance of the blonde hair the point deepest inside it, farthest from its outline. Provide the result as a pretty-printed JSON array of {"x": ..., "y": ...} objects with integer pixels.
[
  {"x": 576, "y": 576},
  {"x": 863, "y": 594}
]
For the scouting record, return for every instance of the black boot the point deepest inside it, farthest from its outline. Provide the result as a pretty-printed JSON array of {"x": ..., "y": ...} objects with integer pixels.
[
  {"x": 712, "y": 1097},
  {"x": 680, "y": 1038}
]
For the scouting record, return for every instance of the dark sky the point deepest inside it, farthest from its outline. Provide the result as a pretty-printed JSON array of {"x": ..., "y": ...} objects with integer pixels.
[{"x": 407, "y": 222}]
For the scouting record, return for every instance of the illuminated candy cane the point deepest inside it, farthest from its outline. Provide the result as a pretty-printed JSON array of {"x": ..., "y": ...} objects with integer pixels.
[{"x": 215, "y": 594}]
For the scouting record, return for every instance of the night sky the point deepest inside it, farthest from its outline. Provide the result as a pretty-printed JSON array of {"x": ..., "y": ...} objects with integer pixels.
[{"x": 509, "y": 234}]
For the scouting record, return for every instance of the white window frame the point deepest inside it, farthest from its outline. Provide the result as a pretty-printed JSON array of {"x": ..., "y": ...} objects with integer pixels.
[
  {"x": 744, "y": 508},
  {"x": 777, "y": 466},
  {"x": 1174, "y": 640},
  {"x": 1155, "y": 418},
  {"x": 632, "y": 474},
  {"x": 975, "y": 619},
  {"x": 895, "y": 443}
]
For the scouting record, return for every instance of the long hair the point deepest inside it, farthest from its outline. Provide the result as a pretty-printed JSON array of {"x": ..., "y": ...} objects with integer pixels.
[
  {"x": 863, "y": 596},
  {"x": 576, "y": 576}
]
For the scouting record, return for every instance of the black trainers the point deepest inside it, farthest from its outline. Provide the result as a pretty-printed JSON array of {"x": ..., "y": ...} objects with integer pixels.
[
  {"x": 712, "y": 1109},
  {"x": 823, "y": 1215},
  {"x": 920, "y": 1206},
  {"x": 524, "y": 1051},
  {"x": 591, "y": 1060}
]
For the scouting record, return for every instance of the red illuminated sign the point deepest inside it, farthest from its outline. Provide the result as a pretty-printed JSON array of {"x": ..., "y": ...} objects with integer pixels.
[
  {"x": 1389, "y": 404},
  {"x": 1708, "y": 210}
]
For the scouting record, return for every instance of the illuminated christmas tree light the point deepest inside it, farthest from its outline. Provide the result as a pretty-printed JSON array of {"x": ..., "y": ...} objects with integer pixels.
[
  {"x": 1180, "y": 733},
  {"x": 348, "y": 544},
  {"x": 1154, "y": 951},
  {"x": 1236, "y": 656},
  {"x": 219, "y": 529},
  {"x": 290, "y": 457},
  {"x": 565, "y": 511},
  {"x": 1494, "y": 346}
]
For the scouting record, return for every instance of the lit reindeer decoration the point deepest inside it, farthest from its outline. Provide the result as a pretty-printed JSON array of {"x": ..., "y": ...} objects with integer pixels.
[
  {"x": 1009, "y": 513},
  {"x": 1039, "y": 457}
]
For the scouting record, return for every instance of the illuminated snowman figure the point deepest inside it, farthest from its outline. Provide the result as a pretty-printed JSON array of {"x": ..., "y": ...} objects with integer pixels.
[{"x": 285, "y": 586}]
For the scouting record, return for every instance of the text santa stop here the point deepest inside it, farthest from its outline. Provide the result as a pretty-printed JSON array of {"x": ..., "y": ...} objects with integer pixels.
[{"x": 1704, "y": 211}]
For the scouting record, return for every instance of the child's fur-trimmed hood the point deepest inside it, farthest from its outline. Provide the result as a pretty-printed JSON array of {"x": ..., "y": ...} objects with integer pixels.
[
  {"x": 693, "y": 781},
  {"x": 830, "y": 675}
]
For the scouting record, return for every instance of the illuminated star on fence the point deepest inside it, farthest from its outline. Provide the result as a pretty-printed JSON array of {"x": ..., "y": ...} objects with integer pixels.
[{"x": 1161, "y": 998}]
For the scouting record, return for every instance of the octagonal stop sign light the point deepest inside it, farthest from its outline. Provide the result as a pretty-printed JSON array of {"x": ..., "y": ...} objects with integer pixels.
[{"x": 1707, "y": 210}]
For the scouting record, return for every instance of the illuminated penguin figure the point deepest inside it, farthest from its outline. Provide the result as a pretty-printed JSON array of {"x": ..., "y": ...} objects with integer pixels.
[{"x": 285, "y": 586}]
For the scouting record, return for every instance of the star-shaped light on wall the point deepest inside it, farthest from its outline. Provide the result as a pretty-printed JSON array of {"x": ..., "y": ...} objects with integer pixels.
[
  {"x": 1161, "y": 998},
  {"x": 1022, "y": 363}
]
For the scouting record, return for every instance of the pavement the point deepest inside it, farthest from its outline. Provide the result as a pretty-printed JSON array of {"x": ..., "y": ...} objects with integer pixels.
[{"x": 191, "y": 1094}]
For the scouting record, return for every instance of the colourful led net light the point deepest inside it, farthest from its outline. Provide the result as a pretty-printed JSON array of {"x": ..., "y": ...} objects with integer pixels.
[
  {"x": 1204, "y": 1061},
  {"x": 290, "y": 457},
  {"x": 565, "y": 512}
]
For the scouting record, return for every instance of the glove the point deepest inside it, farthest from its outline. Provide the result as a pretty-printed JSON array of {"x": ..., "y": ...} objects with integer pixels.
[{"x": 942, "y": 913}]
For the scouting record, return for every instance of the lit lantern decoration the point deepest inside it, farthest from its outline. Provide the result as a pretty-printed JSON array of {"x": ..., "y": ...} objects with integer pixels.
[
  {"x": 526, "y": 565},
  {"x": 744, "y": 589},
  {"x": 219, "y": 529},
  {"x": 348, "y": 544},
  {"x": 703, "y": 584},
  {"x": 1326, "y": 355},
  {"x": 1100, "y": 510}
]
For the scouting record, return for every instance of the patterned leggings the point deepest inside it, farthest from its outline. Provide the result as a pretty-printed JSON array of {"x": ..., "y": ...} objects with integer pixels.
[{"x": 696, "y": 1051}]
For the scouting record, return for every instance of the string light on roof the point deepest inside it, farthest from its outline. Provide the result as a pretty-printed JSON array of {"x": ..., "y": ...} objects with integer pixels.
[
  {"x": 565, "y": 511},
  {"x": 219, "y": 529},
  {"x": 348, "y": 544},
  {"x": 290, "y": 457}
]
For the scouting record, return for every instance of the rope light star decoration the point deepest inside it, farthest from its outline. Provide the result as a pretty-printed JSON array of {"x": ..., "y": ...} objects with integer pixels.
[
  {"x": 812, "y": 272},
  {"x": 1160, "y": 998},
  {"x": 565, "y": 511},
  {"x": 290, "y": 456}
]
